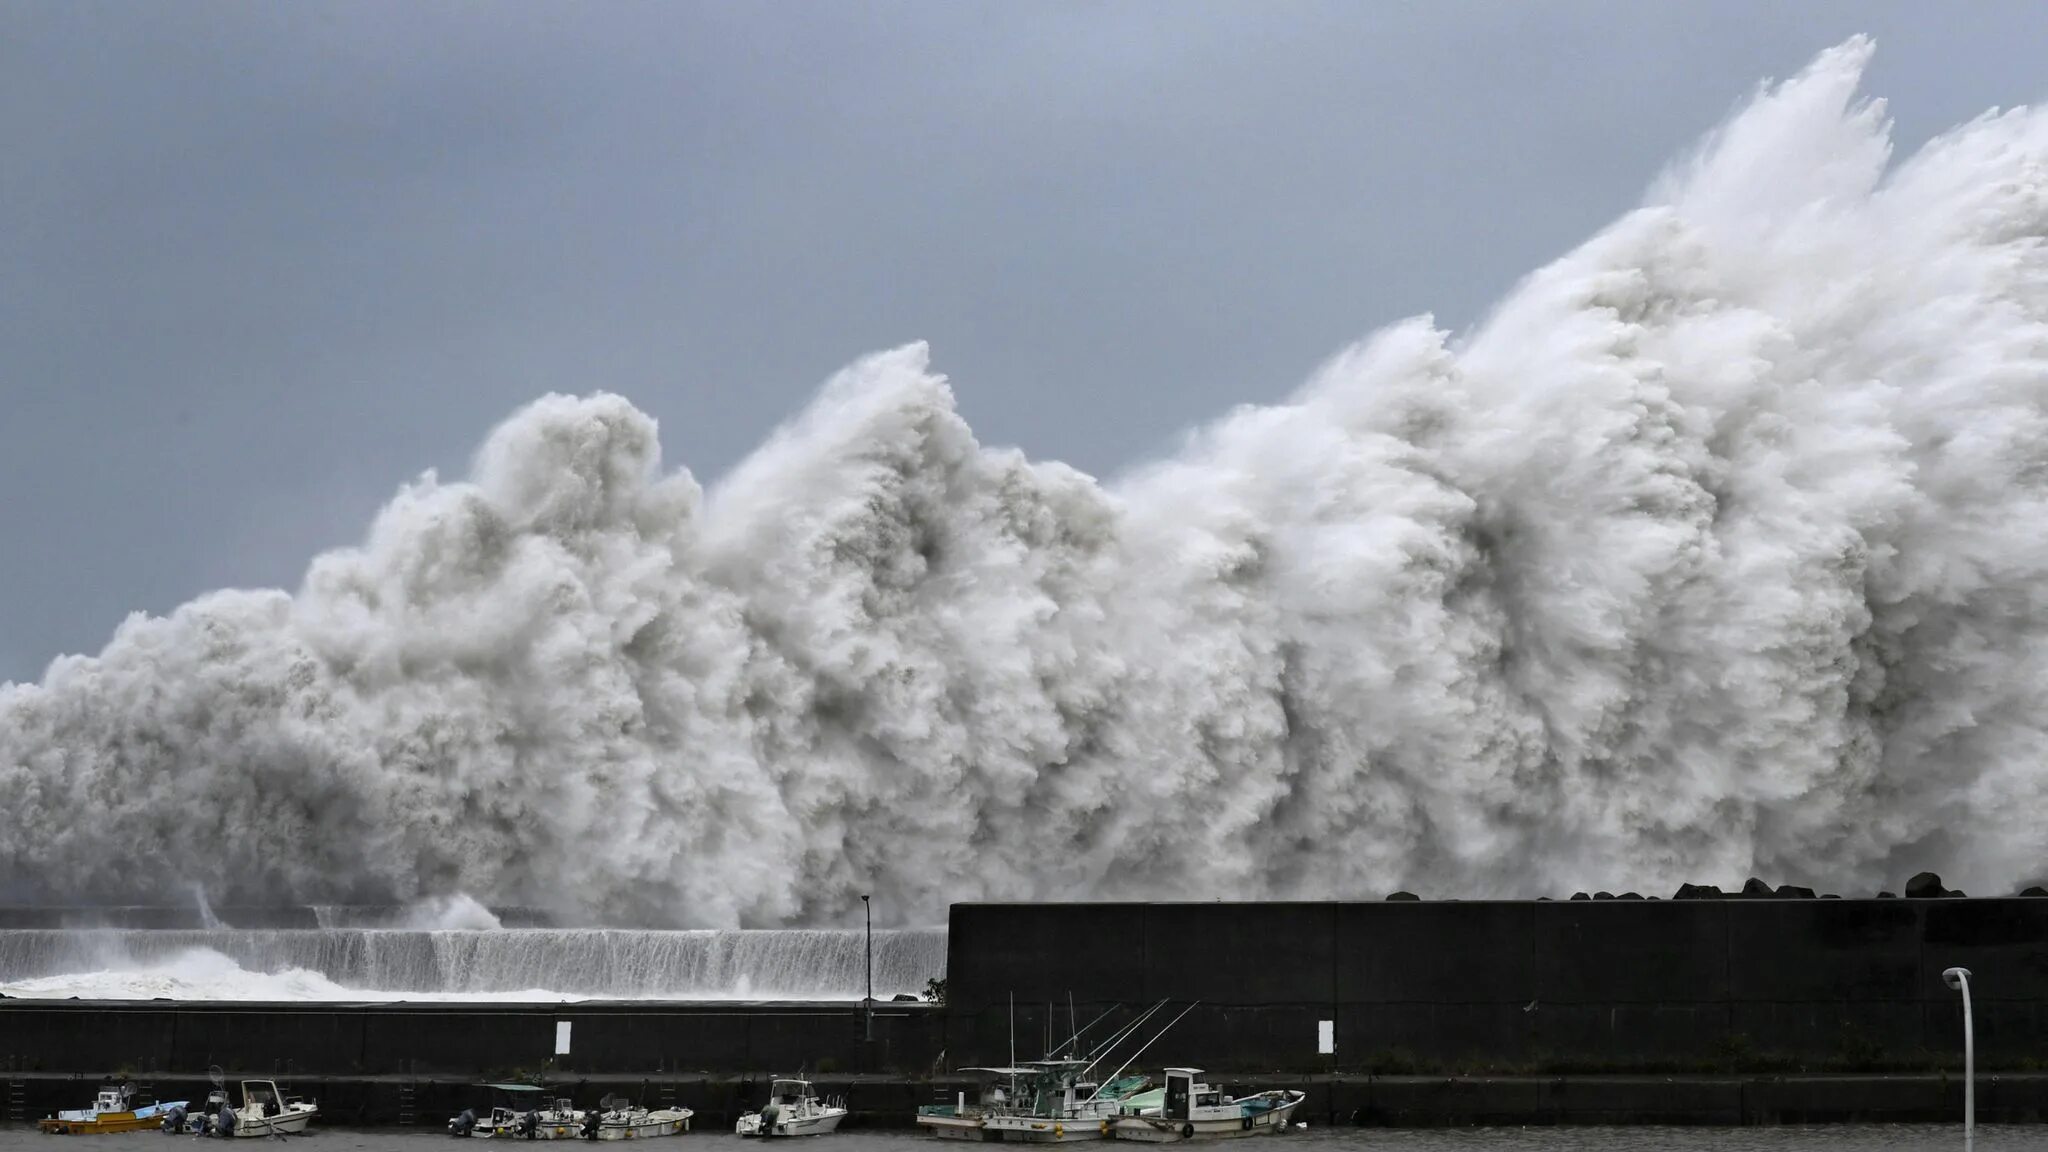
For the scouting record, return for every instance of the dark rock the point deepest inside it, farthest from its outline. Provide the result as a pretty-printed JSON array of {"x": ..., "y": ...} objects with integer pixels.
[
  {"x": 1580, "y": 896},
  {"x": 903, "y": 998},
  {"x": 1697, "y": 892},
  {"x": 2036, "y": 890},
  {"x": 1794, "y": 892},
  {"x": 1403, "y": 896},
  {"x": 1887, "y": 895},
  {"x": 1829, "y": 896},
  {"x": 1603, "y": 895},
  {"x": 1630, "y": 896},
  {"x": 1924, "y": 886},
  {"x": 1543, "y": 900},
  {"x": 1756, "y": 889}
]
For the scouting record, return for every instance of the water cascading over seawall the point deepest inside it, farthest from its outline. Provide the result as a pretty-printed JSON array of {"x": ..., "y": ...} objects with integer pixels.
[{"x": 505, "y": 964}]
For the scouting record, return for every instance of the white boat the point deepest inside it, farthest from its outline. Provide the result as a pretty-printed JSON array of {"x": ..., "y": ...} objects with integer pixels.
[
  {"x": 522, "y": 1113},
  {"x": 793, "y": 1109},
  {"x": 559, "y": 1120},
  {"x": 267, "y": 1112},
  {"x": 1187, "y": 1109},
  {"x": 631, "y": 1122}
]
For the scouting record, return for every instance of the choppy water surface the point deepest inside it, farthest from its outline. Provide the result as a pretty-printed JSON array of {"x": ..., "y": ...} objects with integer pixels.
[{"x": 1834, "y": 1138}]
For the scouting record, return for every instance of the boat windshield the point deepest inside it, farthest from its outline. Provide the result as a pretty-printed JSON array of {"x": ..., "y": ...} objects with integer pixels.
[{"x": 790, "y": 1091}]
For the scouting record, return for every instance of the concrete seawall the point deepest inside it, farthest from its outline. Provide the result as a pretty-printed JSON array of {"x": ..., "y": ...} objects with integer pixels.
[
  {"x": 468, "y": 1040},
  {"x": 1579, "y": 986},
  {"x": 1708, "y": 1012}
]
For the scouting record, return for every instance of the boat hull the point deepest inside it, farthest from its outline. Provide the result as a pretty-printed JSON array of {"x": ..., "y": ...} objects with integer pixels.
[
  {"x": 647, "y": 1127},
  {"x": 953, "y": 1127},
  {"x": 1153, "y": 1130},
  {"x": 100, "y": 1125},
  {"x": 285, "y": 1124},
  {"x": 800, "y": 1126},
  {"x": 145, "y": 1119},
  {"x": 1039, "y": 1130},
  {"x": 546, "y": 1130}
]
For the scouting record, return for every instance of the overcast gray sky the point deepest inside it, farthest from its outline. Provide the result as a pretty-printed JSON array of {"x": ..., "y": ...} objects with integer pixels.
[{"x": 262, "y": 263}]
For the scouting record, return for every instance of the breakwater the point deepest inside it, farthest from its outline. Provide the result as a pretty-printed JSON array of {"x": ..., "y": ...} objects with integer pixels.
[
  {"x": 1689, "y": 1011},
  {"x": 1571, "y": 986},
  {"x": 464, "y": 1040}
]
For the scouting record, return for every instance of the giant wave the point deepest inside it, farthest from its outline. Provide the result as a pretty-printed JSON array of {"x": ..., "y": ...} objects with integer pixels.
[{"x": 1710, "y": 552}]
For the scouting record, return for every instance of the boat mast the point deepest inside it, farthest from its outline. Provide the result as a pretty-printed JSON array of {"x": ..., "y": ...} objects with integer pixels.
[{"x": 1147, "y": 1044}]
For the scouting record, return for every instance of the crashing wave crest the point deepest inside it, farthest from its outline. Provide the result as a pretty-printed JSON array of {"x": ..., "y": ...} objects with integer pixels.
[{"x": 1707, "y": 554}]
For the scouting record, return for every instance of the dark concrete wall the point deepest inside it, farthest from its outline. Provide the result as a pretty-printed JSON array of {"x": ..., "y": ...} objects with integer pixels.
[
  {"x": 1591, "y": 985},
  {"x": 461, "y": 1039}
]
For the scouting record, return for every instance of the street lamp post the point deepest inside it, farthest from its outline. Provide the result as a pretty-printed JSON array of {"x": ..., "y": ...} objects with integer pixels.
[
  {"x": 868, "y": 1003},
  {"x": 1959, "y": 979}
]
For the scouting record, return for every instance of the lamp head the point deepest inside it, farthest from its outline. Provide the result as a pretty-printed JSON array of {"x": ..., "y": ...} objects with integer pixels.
[{"x": 1954, "y": 977}]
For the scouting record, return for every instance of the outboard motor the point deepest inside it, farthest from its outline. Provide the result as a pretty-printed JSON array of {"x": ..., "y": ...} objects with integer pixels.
[
  {"x": 464, "y": 1124},
  {"x": 592, "y": 1121},
  {"x": 202, "y": 1124},
  {"x": 769, "y": 1115},
  {"x": 174, "y": 1121},
  {"x": 225, "y": 1124},
  {"x": 529, "y": 1124}
]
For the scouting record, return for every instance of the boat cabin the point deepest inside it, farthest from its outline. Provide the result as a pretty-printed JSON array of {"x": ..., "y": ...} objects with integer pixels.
[
  {"x": 789, "y": 1093},
  {"x": 1053, "y": 1086},
  {"x": 113, "y": 1098},
  {"x": 999, "y": 1086},
  {"x": 260, "y": 1098},
  {"x": 1185, "y": 1092}
]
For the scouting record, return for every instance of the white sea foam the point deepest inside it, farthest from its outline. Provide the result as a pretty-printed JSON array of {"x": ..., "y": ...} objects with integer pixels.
[
  {"x": 1716, "y": 550},
  {"x": 201, "y": 974}
]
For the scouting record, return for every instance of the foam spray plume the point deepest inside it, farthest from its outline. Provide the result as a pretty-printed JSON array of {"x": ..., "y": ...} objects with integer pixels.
[{"x": 1716, "y": 550}]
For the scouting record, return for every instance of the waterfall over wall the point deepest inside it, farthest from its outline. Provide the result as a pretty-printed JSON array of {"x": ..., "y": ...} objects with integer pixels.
[{"x": 791, "y": 964}]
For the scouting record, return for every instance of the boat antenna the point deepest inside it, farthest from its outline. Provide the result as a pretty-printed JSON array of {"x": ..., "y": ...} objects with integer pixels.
[
  {"x": 1141, "y": 1050},
  {"x": 1013, "y": 1044},
  {"x": 1118, "y": 1037},
  {"x": 1076, "y": 1040}
]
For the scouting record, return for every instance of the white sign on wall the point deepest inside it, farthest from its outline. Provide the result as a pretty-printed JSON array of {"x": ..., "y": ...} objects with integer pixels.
[
  {"x": 1326, "y": 1037},
  {"x": 561, "y": 1037}
]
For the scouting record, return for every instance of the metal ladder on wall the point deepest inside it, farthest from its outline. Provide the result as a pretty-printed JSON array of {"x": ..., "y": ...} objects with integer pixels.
[
  {"x": 407, "y": 1114},
  {"x": 17, "y": 1102}
]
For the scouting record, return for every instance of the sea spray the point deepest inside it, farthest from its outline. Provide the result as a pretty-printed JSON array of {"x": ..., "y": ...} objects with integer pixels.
[{"x": 1712, "y": 552}]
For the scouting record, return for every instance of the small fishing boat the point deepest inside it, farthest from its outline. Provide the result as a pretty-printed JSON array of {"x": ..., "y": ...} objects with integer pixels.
[
  {"x": 962, "y": 1120},
  {"x": 264, "y": 1112},
  {"x": 793, "y": 1109},
  {"x": 1055, "y": 1104},
  {"x": 116, "y": 1109},
  {"x": 1187, "y": 1109},
  {"x": 521, "y": 1112},
  {"x": 616, "y": 1119}
]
